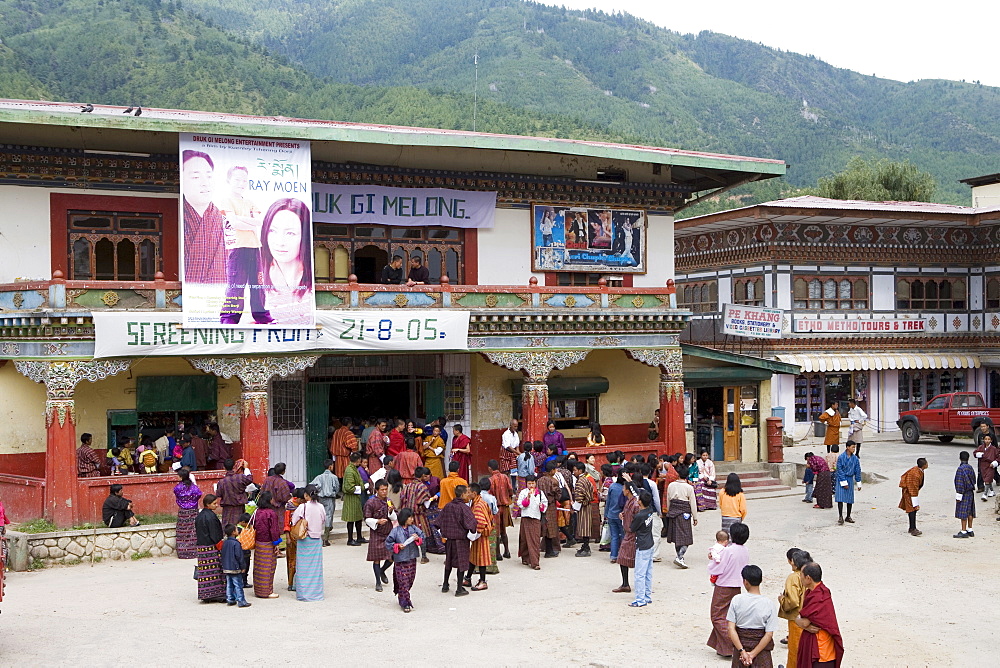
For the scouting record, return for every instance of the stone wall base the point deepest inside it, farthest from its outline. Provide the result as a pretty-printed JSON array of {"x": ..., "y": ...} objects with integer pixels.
[{"x": 82, "y": 545}]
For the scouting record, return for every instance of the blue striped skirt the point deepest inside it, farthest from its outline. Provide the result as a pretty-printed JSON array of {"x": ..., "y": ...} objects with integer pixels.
[{"x": 309, "y": 570}]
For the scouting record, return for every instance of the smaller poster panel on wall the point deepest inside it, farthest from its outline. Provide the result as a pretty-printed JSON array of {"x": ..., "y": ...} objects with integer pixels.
[
  {"x": 588, "y": 240},
  {"x": 246, "y": 250},
  {"x": 754, "y": 322}
]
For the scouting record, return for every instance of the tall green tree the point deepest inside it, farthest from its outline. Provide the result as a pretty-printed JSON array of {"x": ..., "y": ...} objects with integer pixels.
[{"x": 879, "y": 181}]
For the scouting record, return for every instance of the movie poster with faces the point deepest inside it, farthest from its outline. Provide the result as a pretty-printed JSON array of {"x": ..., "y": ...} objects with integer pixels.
[
  {"x": 588, "y": 240},
  {"x": 246, "y": 244}
]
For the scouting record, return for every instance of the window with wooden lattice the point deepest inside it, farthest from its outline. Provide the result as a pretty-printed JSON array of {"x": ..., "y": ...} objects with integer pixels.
[
  {"x": 749, "y": 291},
  {"x": 932, "y": 294},
  {"x": 114, "y": 245},
  {"x": 698, "y": 296},
  {"x": 363, "y": 250},
  {"x": 830, "y": 293},
  {"x": 993, "y": 293}
]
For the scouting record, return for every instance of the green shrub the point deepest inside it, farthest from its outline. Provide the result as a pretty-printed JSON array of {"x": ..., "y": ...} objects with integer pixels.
[
  {"x": 40, "y": 525},
  {"x": 141, "y": 555}
]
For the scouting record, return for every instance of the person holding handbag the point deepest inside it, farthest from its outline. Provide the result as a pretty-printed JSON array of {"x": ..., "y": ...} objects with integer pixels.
[{"x": 308, "y": 522}]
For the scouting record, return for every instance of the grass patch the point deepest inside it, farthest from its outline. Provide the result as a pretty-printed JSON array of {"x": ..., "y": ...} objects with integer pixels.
[
  {"x": 158, "y": 518},
  {"x": 97, "y": 560},
  {"x": 73, "y": 562},
  {"x": 36, "y": 564},
  {"x": 85, "y": 525},
  {"x": 141, "y": 555},
  {"x": 37, "y": 526}
]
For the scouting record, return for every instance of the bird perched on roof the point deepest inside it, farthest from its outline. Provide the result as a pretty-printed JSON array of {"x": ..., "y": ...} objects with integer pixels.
[
  {"x": 138, "y": 111},
  {"x": 87, "y": 108},
  {"x": 129, "y": 110}
]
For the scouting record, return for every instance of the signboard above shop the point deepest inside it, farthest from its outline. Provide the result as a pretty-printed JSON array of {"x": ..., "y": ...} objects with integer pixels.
[
  {"x": 588, "y": 240},
  {"x": 855, "y": 326},
  {"x": 754, "y": 322},
  {"x": 381, "y": 205}
]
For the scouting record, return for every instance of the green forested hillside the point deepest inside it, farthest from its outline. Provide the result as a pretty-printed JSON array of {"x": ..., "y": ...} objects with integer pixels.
[{"x": 542, "y": 70}]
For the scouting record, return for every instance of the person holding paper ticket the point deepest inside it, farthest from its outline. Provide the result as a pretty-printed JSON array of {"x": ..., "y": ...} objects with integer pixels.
[
  {"x": 404, "y": 543},
  {"x": 353, "y": 492},
  {"x": 847, "y": 475},
  {"x": 379, "y": 517},
  {"x": 965, "y": 500},
  {"x": 988, "y": 457},
  {"x": 911, "y": 482}
]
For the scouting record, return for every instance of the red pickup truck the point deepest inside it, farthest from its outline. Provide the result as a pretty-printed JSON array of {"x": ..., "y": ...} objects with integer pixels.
[{"x": 947, "y": 416}]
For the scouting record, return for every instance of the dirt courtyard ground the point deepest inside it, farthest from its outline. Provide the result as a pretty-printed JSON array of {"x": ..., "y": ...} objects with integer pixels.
[{"x": 902, "y": 601}]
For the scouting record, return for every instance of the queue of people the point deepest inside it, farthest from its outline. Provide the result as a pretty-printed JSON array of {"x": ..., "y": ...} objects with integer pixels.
[{"x": 195, "y": 449}]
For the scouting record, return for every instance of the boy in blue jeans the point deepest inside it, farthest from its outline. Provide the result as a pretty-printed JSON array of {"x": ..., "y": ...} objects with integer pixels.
[{"x": 232, "y": 567}]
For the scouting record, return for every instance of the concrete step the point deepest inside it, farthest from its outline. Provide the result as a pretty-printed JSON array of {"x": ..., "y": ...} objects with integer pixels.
[{"x": 745, "y": 475}]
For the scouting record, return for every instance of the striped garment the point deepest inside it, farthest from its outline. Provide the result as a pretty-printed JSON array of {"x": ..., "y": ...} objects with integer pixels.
[
  {"x": 403, "y": 574},
  {"x": 185, "y": 538},
  {"x": 211, "y": 584},
  {"x": 264, "y": 561},
  {"x": 309, "y": 570},
  {"x": 480, "y": 553}
]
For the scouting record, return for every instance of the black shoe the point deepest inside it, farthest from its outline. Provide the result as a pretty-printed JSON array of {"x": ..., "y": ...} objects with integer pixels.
[
  {"x": 444, "y": 588},
  {"x": 550, "y": 555},
  {"x": 385, "y": 579},
  {"x": 500, "y": 558},
  {"x": 230, "y": 602},
  {"x": 506, "y": 555},
  {"x": 970, "y": 533},
  {"x": 378, "y": 586},
  {"x": 362, "y": 541},
  {"x": 583, "y": 552},
  {"x": 461, "y": 591},
  {"x": 352, "y": 543},
  {"x": 291, "y": 588}
]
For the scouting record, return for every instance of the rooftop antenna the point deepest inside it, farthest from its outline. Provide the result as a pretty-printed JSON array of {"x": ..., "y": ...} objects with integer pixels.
[{"x": 475, "y": 94}]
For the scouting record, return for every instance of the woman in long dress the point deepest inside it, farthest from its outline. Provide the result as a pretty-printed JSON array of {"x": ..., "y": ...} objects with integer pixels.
[
  {"x": 823, "y": 487},
  {"x": 208, "y": 573},
  {"x": 265, "y": 553},
  {"x": 704, "y": 486},
  {"x": 309, "y": 552},
  {"x": 186, "y": 493}
]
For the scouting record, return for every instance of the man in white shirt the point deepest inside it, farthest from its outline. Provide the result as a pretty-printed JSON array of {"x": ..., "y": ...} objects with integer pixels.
[
  {"x": 510, "y": 443},
  {"x": 858, "y": 418},
  {"x": 753, "y": 619}
]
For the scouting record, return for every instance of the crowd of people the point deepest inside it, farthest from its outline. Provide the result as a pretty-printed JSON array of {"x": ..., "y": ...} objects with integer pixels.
[{"x": 196, "y": 449}]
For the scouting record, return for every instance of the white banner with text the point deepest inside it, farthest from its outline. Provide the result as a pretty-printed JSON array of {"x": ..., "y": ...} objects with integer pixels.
[
  {"x": 382, "y": 205},
  {"x": 135, "y": 334},
  {"x": 752, "y": 321}
]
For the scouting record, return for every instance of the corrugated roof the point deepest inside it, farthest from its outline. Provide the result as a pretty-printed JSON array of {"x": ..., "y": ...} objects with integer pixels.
[{"x": 175, "y": 120}]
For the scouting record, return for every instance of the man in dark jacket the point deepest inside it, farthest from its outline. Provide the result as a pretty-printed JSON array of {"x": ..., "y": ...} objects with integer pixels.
[
  {"x": 234, "y": 567},
  {"x": 457, "y": 522},
  {"x": 117, "y": 510}
]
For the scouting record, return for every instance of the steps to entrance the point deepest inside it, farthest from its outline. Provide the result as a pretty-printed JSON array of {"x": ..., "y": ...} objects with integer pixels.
[{"x": 757, "y": 484}]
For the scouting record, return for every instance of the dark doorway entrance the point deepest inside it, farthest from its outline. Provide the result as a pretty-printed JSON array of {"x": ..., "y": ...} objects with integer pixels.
[
  {"x": 371, "y": 399},
  {"x": 368, "y": 263}
]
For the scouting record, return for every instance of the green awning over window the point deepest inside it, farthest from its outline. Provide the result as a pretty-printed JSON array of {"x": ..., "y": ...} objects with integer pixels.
[
  {"x": 568, "y": 387},
  {"x": 154, "y": 394},
  {"x": 122, "y": 418}
]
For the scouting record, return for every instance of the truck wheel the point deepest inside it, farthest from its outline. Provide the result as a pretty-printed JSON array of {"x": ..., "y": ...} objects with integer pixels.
[
  {"x": 946, "y": 438},
  {"x": 910, "y": 432}
]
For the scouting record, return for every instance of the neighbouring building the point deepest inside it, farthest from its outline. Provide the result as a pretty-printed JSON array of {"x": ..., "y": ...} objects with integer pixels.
[
  {"x": 90, "y": 224},
  {"x": 888, "y": 303}
]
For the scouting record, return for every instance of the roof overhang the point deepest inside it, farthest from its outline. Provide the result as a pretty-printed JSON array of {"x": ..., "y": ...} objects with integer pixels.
[
  {"x": 62, "y": 125},
  {"x": 721, "y": 358}
]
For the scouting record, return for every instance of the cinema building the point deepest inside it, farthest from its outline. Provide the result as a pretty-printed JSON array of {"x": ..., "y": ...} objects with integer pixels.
[{"x": 552, "y": 315}]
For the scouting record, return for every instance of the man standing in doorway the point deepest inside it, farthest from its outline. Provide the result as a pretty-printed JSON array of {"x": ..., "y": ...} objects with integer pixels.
[
  {"x": 510, "y": 444},
  {"x": 965, "y": 500},
  {"x": 204, "y": 249}
]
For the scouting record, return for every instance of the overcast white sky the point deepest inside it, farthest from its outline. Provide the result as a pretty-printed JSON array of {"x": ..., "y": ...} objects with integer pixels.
[{"x": 888, "y": 38}]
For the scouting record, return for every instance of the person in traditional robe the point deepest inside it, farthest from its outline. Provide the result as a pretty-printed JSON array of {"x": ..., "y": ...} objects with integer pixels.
[
  {"x": 532, "y": 504},
  {"x": 88, "y": 464},
  {"x": 379, "y": 518},
  {"x": 553, "y": 438},
  {"x": 583, "y": 503},
  {"x": 988, "y": 456},
  {"x": 408, "y": 461},
  {"x": 501, "y": 489},
  {"x": 510, "y": 445},
  {"x": 354, "y": 488},
  {"x": 218, "y": 450},
  {"x": 790, "y": 601},
  {"x": 404, "y": 544},
  {"x": 200, "y": 447},
  {"x": 679, "y": 515},
  {"x": 342, "y": 444},
  {"x": 461, "y": 452},
  {"x": 627, "y": 549},
  {"x": 327, "y": 486},
  {"x": 278, "y": 487},
  {"x": 457, "y": 522},
  {"x": 480, "y": 556},
  {"x": 450, "y": 484},
  {"x": 208, "y": 573},
  {"x": 821, "y": 643},
  {"x": 823, "y": 485},
  {"x": 848, "y": 474},
  {"x": 377, "y": 445},
  {"x": 727, "y": 585},
  {"x": 831, "y": 418},
  {"x": 397, "y": 443},
  {"x": 432, "y": 451},
  {"x": 117, "y": 510},
  {"x": 417, "y": 499},
  {"x": 910, "y": 484},
  {"x": 705, "y": 486},
  {"x": 752, "y": 621},
  {"x": 265, "y": 554},
  {"x": 186, "y": 494},
  {"x": 232, "y": 490},
  {"x": 965, "y": 501},
  {"x": 550, "y": 521}
]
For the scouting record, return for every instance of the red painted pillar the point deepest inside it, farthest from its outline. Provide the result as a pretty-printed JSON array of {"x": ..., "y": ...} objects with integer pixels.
[
  {"x": 534, "y": 410},
  {"x": 254, "y": 432},
  {"x": 672, "y": 414},
  {"x": 61, "y": 505}
]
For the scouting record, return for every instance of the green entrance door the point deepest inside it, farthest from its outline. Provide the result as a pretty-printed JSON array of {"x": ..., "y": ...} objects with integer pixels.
[{"x": 317, "y": 420}]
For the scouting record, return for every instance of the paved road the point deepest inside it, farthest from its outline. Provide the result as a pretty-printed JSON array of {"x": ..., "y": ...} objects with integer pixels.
[{"x": 902, "y": 601}]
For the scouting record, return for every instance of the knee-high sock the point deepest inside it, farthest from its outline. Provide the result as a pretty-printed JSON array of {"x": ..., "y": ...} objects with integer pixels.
[{"x": 624, "y": 575}]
